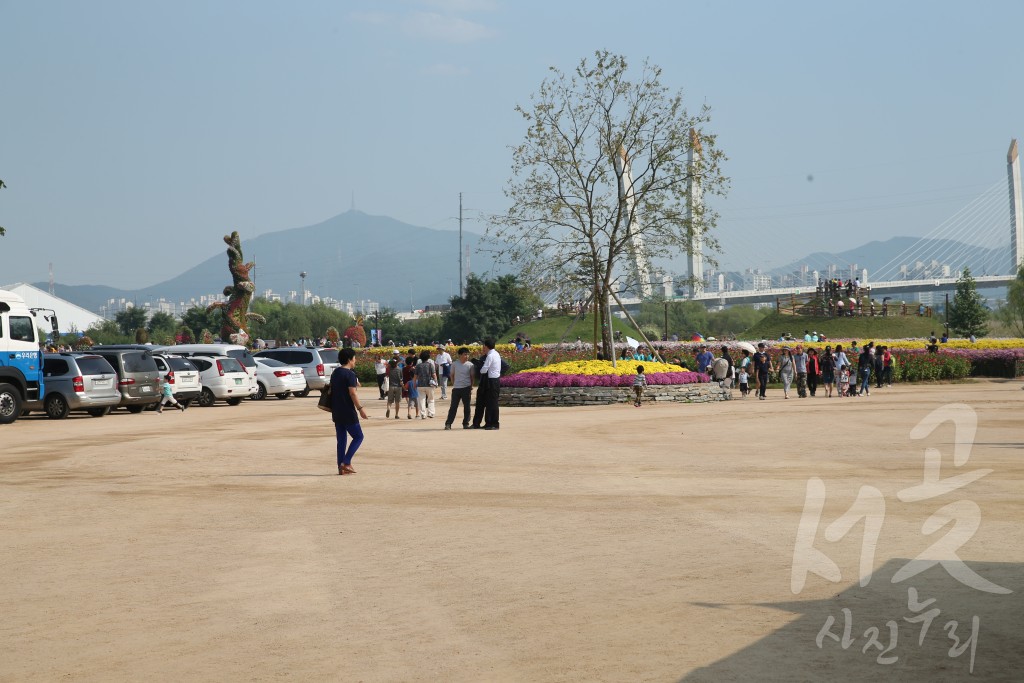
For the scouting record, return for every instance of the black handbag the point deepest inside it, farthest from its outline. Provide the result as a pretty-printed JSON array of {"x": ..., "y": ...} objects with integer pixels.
[{"x": 325, "y": 399}]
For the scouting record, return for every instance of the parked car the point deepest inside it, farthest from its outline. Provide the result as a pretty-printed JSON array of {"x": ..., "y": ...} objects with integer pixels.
[
  {"x": 182, "y": 375},
  {"x": 223, "y": 378},
  {"x": 138, "y": 378},
  {"x": 236, "y": 351},
  {"x": 317, "y": 364},
  {"x": 278, "y": 379},
  {"x": 76, "y": 382}
]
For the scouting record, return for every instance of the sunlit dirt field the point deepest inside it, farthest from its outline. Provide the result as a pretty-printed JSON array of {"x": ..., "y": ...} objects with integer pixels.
[{"x": 598, "y": 544}]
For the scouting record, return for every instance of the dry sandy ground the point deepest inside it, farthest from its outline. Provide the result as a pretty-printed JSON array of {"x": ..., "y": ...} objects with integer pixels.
[{"x": 599, "y": 544}]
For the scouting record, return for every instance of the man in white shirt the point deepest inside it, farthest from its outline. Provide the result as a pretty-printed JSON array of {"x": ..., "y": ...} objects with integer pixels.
[
  {"x": 380, "y": 366},
  {"x": 444, "y": 368},
  {"x": 490, "y": 387}
]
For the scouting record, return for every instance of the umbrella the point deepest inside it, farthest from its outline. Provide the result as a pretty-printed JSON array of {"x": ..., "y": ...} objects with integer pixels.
[
  {"x": 697, "y": 336},
  {"x": 746, "y": 346}
]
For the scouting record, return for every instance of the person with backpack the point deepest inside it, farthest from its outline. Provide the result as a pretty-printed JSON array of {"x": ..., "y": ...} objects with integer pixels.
[
  {"x": 827, "y": 361},
  {"x": 490, "y": 387},
  {"x": 426, "y": 382}
]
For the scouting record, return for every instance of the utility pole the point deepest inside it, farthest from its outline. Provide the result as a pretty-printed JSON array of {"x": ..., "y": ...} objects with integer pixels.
[{"x": 460, "y": 245}]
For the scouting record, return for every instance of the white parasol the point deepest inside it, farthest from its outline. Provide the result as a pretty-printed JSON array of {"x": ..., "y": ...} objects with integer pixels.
[{"x": 747, "y": 346}]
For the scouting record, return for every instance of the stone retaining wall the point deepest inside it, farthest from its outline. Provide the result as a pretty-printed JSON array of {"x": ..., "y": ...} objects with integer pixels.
[{"x": 586, "y": 396}]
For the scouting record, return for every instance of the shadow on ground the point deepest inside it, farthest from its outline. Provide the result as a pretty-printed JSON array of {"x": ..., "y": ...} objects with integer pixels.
[{"x": 793, "y": 653}]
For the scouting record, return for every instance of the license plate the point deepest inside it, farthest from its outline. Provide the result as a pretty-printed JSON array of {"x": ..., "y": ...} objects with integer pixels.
[
  {"x": 146, "y": 390},
  {"x": 101, "y": 382},
  {"x": 238, "y": 381}
]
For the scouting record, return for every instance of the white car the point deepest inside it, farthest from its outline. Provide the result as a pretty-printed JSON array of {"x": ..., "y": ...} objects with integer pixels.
[
  {"x": 278, "y": 379},
  {"x": 223, "y": 378},
  {"x": 316, "y": 363},
  {"x": 183, "y": 376}
]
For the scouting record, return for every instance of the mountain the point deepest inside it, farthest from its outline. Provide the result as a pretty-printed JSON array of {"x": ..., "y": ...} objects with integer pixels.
[
  {"x": 357, "y": 256},
  {"x": 351, "y": 256}
]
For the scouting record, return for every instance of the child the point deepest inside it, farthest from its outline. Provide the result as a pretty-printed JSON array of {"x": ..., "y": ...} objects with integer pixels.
[
  {"x": 844, "y": 380},
  {"x": 744, "y": 379},
  {"x": 639, "y": 382},
  {"x": 167, "y": 397}
]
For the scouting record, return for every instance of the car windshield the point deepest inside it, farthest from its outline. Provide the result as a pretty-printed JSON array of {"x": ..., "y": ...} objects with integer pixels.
[
  {"x": 139, "y": 361},
  {"x": 94, "y": 365},
  {"x": 231, "y": 365},
  {"x": 243, "y": 357},
  {"x": 271, "y": 363},
  {"x": 329, "y": 355},
  {"x": 180, "y": 364}
]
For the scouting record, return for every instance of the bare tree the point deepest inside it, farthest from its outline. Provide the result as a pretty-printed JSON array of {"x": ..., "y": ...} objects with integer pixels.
[{"x": 601, "y": 183}]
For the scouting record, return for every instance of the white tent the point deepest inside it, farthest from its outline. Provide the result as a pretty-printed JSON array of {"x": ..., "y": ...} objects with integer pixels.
[{"x": 68, "y": 314}]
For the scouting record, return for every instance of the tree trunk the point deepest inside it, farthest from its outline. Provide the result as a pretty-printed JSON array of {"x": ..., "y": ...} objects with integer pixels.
[{"x": 607, "y": 341}]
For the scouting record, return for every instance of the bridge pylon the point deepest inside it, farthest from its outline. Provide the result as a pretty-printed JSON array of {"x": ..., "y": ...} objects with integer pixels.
[{"x": 1016, "y": 208}]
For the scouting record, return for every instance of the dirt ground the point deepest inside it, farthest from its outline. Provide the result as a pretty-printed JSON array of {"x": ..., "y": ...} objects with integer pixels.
[{"x": 598, "y": 544}]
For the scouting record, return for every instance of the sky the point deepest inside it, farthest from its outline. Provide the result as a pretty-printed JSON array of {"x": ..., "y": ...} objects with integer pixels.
[{"x": 134, "y": 135}]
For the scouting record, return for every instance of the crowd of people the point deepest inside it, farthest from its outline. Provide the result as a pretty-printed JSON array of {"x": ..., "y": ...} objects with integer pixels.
[
  {"x": 807, "y": 369},
  {"x": 413, "y": 380}
]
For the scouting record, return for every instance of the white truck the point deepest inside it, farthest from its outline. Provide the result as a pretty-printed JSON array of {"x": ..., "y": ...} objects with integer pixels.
[{"x": 21, "y": 355}]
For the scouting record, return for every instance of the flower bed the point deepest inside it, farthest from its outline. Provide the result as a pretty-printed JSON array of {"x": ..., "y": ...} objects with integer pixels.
[
  {"x": 589, "y": 382},
  {"x": 600, "y": 373}
]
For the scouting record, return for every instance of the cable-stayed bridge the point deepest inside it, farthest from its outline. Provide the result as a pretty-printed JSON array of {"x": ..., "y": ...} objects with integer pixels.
[{"x": 986, "y": 235}]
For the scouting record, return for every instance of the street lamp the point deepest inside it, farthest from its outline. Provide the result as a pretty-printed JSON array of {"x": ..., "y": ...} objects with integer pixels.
[{"x": 302, "y": 285}]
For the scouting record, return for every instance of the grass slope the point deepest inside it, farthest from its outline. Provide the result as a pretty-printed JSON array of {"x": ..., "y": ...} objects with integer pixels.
[
  {"x": 549, "y": 330},
  {"x": 774, "y": 325}
]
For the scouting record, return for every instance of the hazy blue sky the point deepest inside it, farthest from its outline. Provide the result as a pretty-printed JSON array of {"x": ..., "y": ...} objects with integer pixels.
[{"x": 134, "y": 134}]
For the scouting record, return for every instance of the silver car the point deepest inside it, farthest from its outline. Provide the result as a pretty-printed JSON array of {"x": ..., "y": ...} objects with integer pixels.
[{"x": 83, "y": 382}]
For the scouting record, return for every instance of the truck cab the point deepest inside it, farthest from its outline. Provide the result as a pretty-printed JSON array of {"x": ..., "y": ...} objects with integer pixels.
[{"x": 21, "y": 357}]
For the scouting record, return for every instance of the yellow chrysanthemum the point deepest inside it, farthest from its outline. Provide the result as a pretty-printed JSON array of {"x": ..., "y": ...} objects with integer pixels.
[{"x": 604, "y": 367}]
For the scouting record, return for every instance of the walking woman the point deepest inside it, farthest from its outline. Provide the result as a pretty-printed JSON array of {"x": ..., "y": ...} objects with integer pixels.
[
  {"x": 410, "y": 391},
  {"x": 787, "y": 370},
  {"x": 813, "y": 368},
  {"x": 344, "y": 406},
  {"x": 827, "y": 363}
]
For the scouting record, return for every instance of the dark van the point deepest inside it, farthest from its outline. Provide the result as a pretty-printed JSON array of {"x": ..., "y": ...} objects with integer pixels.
[{"x": 138, "y": 378}]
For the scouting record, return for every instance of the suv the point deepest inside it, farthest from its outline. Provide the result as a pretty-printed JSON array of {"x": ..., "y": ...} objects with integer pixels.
[
  {"x": 183, "y": 376},
  {"x": 317, "y": 364},
  {"x": 236, "y": 351},
  {"x": 77, "y": 382},
  {"x": 138, "y": 378},
  {"x": 223, "y": 379}
]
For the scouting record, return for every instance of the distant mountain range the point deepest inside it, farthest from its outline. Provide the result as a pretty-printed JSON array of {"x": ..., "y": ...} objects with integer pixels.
[
  {"x": 883, "y": 259},
  {"x": 357, "y": 256},
  {"x": 348, "y": 257}
]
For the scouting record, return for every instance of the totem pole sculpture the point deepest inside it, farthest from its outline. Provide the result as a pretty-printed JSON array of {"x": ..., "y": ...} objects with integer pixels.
[{"x": 235, "y": 311}]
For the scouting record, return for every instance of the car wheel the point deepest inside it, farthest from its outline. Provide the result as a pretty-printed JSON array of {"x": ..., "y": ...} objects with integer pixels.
[
  {"x": 206, "y": 398},
  {"x": 284, "y": 395},
  {"x": 56, "y": 407},
  {"x": 134, "y": 410},
  {"x": 234, "y": 401},
  {"x": 303, "y": 394},
  {"x": 261, "y": 391},
  {"x": 10, "y": 404},
  {"x": 99, "y": 412}
]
